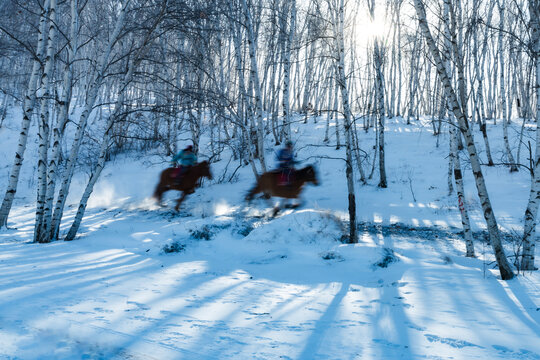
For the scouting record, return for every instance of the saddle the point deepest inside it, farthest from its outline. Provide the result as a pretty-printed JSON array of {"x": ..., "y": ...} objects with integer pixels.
[
  {"x": 285, "y": 176},
  {"x": 178, "y": 174}
]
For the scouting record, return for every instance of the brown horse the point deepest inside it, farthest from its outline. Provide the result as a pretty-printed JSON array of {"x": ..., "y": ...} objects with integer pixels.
[
  {"x": 168, "y": 181},
  {"x": 268, "y": 183}
]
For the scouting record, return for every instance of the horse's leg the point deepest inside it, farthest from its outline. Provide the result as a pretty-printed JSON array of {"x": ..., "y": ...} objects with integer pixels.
[
  {"x": 298, "y": 204},
  {"x": 294, "y": 204},
  {"x": 276, "y": 209},
  {"x": 158, "y": 194},
  {"x": 179, "y": 201},
  {"x": 286, "y": 203},
  {"x": 256, "y": 189}
]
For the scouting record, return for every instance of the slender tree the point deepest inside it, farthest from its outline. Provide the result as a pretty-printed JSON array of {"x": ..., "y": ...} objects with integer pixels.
[
  {"x": 495, "y": 239},
  {"x": 531, "y": 213},
  {"x": 28, "y": 108}
]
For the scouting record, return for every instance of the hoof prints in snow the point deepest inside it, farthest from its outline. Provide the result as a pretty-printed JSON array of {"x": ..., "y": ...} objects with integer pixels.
[
  {"x": 388, "y": 258},
  {"x": 455, "y": 343},
  {"x": 521, "y": 354},
  {"x": 332, "y": 255},
  {"x": 426, "y": 233},
  {"x": 388, "y": 343}
]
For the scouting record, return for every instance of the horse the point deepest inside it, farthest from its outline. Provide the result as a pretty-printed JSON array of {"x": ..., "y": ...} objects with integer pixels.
[
  {"x": 168, "y": 181},
  {"x": 268, "y": 183}
]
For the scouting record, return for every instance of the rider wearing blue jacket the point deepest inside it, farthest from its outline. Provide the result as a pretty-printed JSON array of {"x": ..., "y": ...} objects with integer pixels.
[
  {"x": 286, "y": 162},
  {"x": 186, "y": 158}
]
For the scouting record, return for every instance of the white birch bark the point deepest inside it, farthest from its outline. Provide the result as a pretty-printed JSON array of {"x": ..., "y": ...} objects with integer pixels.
[
  {"x": 43, "y": 134},
  {"x": 460, "y": 190},
  {"x": 457, "y": 46},
  {"x": 495, "y": 239},
  {"x": 444, "y": 106},
  {"x": 399, "y": 57},
  {"x": 91, "y": 97},
  {"x": 531, "y": 213},
  {"x": 378, "y": 62},
  {"x": 479, "y": 107},
  {"x": 450, "y": 163},
  {"x": 342, "y": 83},
  {"x": 413, "y": 80},
  {"x": 336, "y": 116},
  {"x": 255, "y": 83},
  {"x": 329, "y": 111},
  {"x": 62, "y": 121},
  {"x": 28, "y": 108},
  {"x": 90, "y": 185},
  {"x": 287, "y": 71},
  {"x": 134, "y": 63},
  {"x": 503, "y": 94},
  {"x": 379, "y": 91},
  {"x": 308, "y": 73},
  {"x": 244, "y": 98}
]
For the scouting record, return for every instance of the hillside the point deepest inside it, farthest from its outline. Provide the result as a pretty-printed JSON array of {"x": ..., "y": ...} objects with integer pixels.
[{"x": 223, "y": 279}]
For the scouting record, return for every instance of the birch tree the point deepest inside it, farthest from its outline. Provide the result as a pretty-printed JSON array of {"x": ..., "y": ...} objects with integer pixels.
[
  {"x": 460, "y": 190},
  {"x": 43, "y": 134},
  {"x": 93, "y": 91},
  {"x": 502, "y": 94},
  {"x": 254, "y": 80},
  {"x": 479, "y": 107},
  {"x": 287, "y": 69},
  {"x": 379, "y": 91},
  {"x": 133, "y": 64},
  {"x": 28, "y": 108},
  {"x": 495, "y": 238},
  {"x": 341, "y": 79},
  {"x": 531, "y": 213}
]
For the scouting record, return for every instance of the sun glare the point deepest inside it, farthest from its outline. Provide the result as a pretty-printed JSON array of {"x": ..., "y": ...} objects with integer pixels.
[{"x": 366, "y": 29}]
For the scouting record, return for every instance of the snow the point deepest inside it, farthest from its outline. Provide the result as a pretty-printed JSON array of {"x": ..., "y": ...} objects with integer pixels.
[{"x": 244, "y": 285}]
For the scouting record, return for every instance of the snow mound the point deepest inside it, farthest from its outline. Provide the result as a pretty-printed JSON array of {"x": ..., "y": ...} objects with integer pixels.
[{"x": 300, "y": 227}]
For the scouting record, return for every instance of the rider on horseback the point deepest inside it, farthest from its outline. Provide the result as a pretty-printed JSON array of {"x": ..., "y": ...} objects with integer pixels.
[
  {"x": 285, "y": 157},
  {"x": 187, "y": 159}
]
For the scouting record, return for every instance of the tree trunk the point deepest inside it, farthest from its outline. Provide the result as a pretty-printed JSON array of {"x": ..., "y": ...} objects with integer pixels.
[
  {"x": 495, "y": 239},
  {"x": 465, "y": 222},
  {"x": 93, "y": 91},
  {"x": 531, "y": 213},
  {"x": 380, "y": 112},
  {"x": 342, "y": 83},
  {"x": 58, "y": 130},
  {"x": 503, "y": 95},
  {"x": 28, "y": 108},
  {"x": 287, "y": 71},
  {"x": 96, "y": 172},
  {"x": 255, "y": 83},
  {"x": 42, "y": 223}
]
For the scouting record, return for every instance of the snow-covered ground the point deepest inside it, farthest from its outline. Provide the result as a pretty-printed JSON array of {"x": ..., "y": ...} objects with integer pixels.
[{"x": 241, "y": 285}]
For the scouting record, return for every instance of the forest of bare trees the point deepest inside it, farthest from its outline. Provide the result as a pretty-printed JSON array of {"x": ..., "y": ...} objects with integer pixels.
[{"x": 98, "y": 78}]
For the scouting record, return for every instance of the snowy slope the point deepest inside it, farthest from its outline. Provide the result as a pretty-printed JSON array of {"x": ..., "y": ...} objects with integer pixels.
[{"x": 245, "y": 286}]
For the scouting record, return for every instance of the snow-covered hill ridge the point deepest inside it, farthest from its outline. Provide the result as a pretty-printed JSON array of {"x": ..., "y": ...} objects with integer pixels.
[{"x": 245, "y": 286}]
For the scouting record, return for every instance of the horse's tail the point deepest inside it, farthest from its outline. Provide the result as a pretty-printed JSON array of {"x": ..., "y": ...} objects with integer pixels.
[
  {"x": 160, "y": 187},
  {"x": 158, "y": 192}
]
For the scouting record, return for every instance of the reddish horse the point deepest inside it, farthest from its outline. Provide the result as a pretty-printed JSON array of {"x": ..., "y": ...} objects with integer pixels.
[
  {"x": 268, "y": 183},
  {"x": 168, "y": 181}
]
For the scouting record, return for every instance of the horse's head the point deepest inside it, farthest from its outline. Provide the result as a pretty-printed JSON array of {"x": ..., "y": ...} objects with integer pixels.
[
  {"x": 205, "y": 169},
  {"x": 311, "y": 175}
]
